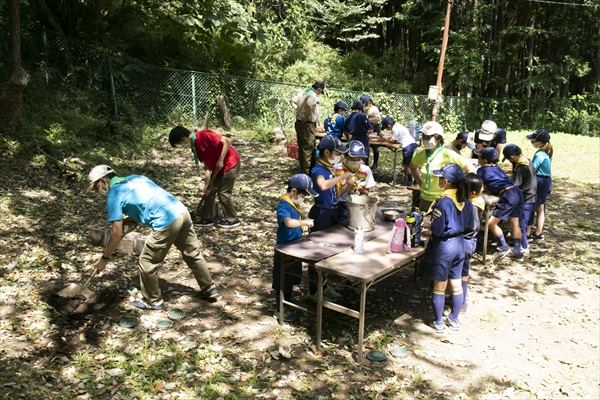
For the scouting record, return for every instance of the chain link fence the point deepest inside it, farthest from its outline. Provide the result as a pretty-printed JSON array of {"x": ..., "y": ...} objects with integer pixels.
[{"x": 134, "y": 89}]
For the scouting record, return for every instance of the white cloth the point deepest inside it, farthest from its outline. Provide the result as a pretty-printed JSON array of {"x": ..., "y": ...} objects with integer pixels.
[{"x": 400, "y": 134}]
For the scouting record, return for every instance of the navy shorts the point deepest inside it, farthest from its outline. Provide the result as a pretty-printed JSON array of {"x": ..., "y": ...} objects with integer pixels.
[
  {"x": 544, "y": 188},
  {"x": 509, "y": 205},
  {"x": 444, "y": 258},
  {"x": 326, "y": 217},
  {"x": 407, "y": 153},
  {"x": 470, "y": 246}
]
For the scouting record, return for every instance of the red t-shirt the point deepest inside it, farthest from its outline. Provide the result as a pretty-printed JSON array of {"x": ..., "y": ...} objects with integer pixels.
[{"x": 208, "y": 149}]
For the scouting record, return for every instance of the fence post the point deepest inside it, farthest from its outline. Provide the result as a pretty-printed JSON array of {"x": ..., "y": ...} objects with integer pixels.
[
  {"x": 112, "y": 88},
  {"x": 194, "y": 98}
]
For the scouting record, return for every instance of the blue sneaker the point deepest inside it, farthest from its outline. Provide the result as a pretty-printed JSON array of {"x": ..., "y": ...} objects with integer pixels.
[
  {"x": 144, "y": 305},
  {"x": 453, "y": 324},
  {"x": 501, "y": 253},
  {"x": 439, "y": 327}
]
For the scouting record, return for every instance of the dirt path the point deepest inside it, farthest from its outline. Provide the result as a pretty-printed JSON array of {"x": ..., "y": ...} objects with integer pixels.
[{"x": 531, "y": 330}]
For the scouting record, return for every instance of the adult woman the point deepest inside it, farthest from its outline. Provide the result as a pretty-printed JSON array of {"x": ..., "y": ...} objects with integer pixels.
[{"x": 433, "y": 156}]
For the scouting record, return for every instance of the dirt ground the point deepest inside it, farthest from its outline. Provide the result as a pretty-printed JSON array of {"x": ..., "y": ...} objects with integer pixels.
[{"x": 531, "y": 329}]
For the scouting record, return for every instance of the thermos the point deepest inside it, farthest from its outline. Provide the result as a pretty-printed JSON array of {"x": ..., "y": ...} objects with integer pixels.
[
  {"x": 415, "y": 218},
  {"x": 400, "y": 238}
]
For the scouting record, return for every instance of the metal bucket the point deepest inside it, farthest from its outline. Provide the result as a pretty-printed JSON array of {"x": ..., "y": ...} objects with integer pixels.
[{"x": 361, "y": 212}]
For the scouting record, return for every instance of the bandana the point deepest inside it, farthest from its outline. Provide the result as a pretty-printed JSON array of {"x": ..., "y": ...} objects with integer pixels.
[
  {"x": 451, "y": 194},
  {"x": 522, "y": 160},
  {"x": 287, "y": 199},
  {"x": 116, "y": 180},
  {"x": 478, "y": 202}
]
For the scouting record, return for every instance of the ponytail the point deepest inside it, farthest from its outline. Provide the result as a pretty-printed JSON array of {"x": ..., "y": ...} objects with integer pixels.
[
  {"x": 462, "y": 192},
  {"x": 548, "y": 149}
]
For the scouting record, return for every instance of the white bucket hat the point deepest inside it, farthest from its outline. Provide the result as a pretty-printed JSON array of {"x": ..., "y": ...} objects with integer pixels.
[{"x": 98, "y": 172}]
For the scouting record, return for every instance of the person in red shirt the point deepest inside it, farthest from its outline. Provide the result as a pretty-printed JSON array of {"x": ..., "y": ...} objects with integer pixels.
[{"x": 221, "y": 167}]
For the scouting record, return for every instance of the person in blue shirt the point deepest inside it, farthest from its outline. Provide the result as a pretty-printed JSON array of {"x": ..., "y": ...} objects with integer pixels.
[
  {"x": 289, "y": 228},
  {"x": 146, "y": 203},
  {"x": 444, "y": 256},
  {"x": 359, "y": 126},
  {"x": 335, "y": 124},
  {"x": 508, "y": 208},
  {"x": 523, "y": 175},
  {"x": 542, "y": 163}
]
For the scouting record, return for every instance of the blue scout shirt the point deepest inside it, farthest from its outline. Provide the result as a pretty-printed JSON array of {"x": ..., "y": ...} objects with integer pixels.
[
  {"x": 542, "y": 163},
  {"x": 143, "y": 200},
  {"x": 326, "y": 198},
  {"x": 334, "y": 125},
  {"x": 494, "y": 179},
  {"x": 448, "y": 221},
  {"x": 285, "y": 234},
  {"x": 358, "y": 124}
]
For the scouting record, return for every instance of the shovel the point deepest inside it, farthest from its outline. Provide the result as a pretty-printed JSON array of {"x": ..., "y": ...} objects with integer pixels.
[{"x": 73, "y": 290}]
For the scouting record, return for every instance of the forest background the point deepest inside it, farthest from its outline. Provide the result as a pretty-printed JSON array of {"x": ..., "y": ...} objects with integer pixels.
[{"x": 525, "y": 63}]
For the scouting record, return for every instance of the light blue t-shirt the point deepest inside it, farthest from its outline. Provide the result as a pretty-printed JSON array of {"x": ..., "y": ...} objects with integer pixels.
[
  {"x": 542, "y": 163},
  {"x": 143, "y": 200},
  {"x": 334, "y": 125}
]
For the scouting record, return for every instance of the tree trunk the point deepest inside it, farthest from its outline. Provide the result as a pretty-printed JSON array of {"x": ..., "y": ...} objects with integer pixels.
[
  {"x": 11, "y": 96},
  {"x": 224, "y": 112}
]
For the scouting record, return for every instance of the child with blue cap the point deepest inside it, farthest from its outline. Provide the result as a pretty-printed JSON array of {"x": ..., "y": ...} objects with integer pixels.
[
  {"x": 542, "y": 163},
  {"x": 359, "y": 126},
  {"x": 289, "y": 228},
  {"x": 445, "y": 253},
  {"x": 361, "y": 177},
  {"x": 523, "y": 178},
  {"x": 509, "y": 206},
  {"x": 335, "y": 124}
]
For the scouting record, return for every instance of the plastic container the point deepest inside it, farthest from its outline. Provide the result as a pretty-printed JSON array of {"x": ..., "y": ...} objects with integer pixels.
[
  {"x": 292, "y": 149},
  {"x": 400, "y": 238},
  {"x": 359, "y": 239}
]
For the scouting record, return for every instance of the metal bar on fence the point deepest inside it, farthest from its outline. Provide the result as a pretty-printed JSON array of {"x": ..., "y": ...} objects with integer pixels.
[
  {"x": 112, "y": 88},
  {"x": 194, "y": 98}
]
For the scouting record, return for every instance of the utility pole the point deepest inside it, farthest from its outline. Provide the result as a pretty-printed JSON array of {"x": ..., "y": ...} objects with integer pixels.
[{"x": 436, "y": 100}]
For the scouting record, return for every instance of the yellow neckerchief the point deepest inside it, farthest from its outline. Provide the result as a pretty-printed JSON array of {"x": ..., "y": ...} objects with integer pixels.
[
  {"x": 326, "y": 164},
  {"x": 522, "y": 160},
  {"x": 287, "y": 199},
  {"x": 451, "y": 194},
  {"x": 347, "y": 167},
  {"x": 478, "y": 202}
]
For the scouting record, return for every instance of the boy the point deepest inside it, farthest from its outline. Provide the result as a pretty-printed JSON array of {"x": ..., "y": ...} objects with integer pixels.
[
  {"x": 361, "y": 178},
  {"x": 508, "y": 207},
  {"x": 400, "y": 134},
  {"x": 335, "y": 124},
  {"x": 359, "y": 126},
  {"x": 289, "y": 228},
  {"x": 221, "y": 167},
  {"x": 374, "y": 117},
  {"x": 524, "y": 178}
]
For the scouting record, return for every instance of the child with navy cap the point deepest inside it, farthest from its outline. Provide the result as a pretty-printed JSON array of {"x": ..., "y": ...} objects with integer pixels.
[
  {"x": 542, "y": 163},
  {"x": 401, "y": 134},
  {"x": 508, "y": 207},
  {"x": 523, "y": 178},
  {"x": 474, "y": 186},
  {"x": 358, "y": 125},
  {"x": 289, "y": 228},
  {"x": 335, "y": 123},
  {"x": 445, "y": 253},
  {"x": 361, "y": 178}
]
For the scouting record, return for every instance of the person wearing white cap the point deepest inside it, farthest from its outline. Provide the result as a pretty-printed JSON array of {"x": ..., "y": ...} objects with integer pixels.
[
  {"x": 432, "y": 156},
  {"x": 489, "y": 135},
  {"x": 145, "y": 202}
]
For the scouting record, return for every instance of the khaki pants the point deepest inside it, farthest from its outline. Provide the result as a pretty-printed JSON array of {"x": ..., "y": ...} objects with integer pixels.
[
  {"x": 222, "y": 186},
  {"x": 181, "y": 234},
  {"x": 305, "y": 134}
]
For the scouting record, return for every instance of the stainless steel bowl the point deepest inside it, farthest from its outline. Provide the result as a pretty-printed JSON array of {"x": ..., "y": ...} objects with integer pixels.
[{"x": 392, "y": 214}]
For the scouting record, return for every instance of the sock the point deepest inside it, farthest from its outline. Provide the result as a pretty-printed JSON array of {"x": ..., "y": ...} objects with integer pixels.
[
  {"x": 457, "y": 302},
  {"x": 517, "y": 246},
  {"x": 465, "y": 286},
  {"x": 524, "y": 243},
  {"x": 438, "y": 306},
  {"x": 502, "y": 242}
]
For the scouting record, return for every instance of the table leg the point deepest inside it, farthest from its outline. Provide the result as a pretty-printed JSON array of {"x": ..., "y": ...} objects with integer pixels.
[
  {"x": 281, "y": 286},
  {"x": 361, "y": 320},
  {"x": 488, "y": 214},
  {"x": 319, "y": 306},
  {"x": 394, "y": 169}
]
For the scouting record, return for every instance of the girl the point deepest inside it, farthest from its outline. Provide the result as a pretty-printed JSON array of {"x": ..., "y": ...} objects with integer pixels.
[
  {"x": 474, "y": 186},
  {"x": 445, "y": 254},
  {"x": 542, "y": 163}
]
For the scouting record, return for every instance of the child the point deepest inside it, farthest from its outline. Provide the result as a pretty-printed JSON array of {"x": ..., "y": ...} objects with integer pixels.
[
  {"x": 335, "y": 124},
  {"x": 361, "y": 177},
  {"x": 474, "y": 185},
  {"x": 508, "y": 207},
  {"x": 374, "y": 117},
  {"x": 400, "y": 134},
  {"x": 445, "y": 253},
  {"x": 524, "y": 179},
  {"x": 289, "y": 228},
  {"x": 327, "y": 210},
  {"x": 359, "y": 126},
  {"x": 542, "y": 163}
]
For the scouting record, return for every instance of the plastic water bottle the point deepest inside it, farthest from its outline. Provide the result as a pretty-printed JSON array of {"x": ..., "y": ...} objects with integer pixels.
[{"x": 359, "y": 237}]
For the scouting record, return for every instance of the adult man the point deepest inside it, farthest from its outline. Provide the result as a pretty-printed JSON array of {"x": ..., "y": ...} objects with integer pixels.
[
  {"x": 147, "y": 203},
  {"x": 308, "y": 115},
  {"x": 221, "y": 167},
  {"x": 460, "y": 142},
  {"x": 489, "y": 135}
]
